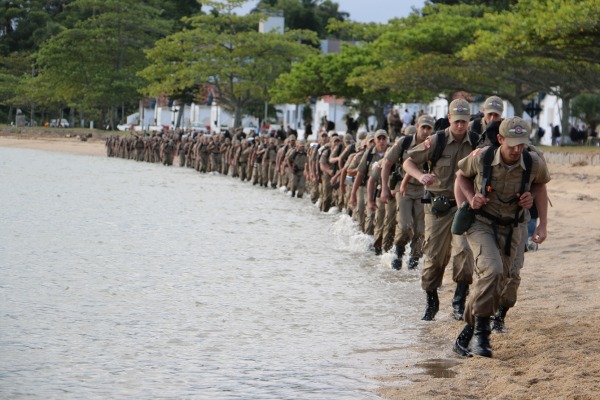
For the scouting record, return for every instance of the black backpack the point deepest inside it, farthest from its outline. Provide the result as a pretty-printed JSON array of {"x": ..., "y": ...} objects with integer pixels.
[{"x": 395, "y": 175}]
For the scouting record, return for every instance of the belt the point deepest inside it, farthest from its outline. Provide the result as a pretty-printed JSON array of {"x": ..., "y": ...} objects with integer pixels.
[{"x": 494, "y": 221}]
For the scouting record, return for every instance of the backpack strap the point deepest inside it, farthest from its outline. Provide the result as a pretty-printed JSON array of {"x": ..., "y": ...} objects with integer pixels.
[
  {"x": 369, "y": 158},
  {"x": 488, "y": 157},
  {"x": 474, "y": 138},
  {"x": 440, "y": 144},
  {"x": 486, "y": 188},
  {"x": 528, "y": 161},
  {"x": 476, "y": 126},
  {"x": 404, "y": 145}
]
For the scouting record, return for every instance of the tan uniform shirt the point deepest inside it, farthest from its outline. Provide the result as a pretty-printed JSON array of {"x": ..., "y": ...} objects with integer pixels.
[
  {"x": 505, "y": 180},
  {"x": 446, "y": 166},
  {"x": 393, "y": 156}
]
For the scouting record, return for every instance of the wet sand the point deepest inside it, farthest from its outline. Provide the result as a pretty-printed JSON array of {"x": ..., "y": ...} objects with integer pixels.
[
  {"x": 63, "y": 144},
  {"x": 552, "y": 347}
]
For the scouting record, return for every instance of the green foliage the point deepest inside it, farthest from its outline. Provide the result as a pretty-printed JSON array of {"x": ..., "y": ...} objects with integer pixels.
[
  {"x": 89, "y": 53},
  {"x": 313, "y": 15},
  {"x": 12, "y": 68},
  {"x": 25, "y": 24},
  {"x": 494, "y": 4},
  {"x": 226, "y": 51},
  {"x": 587, "y": 108},
  {"x": 529, "y": 47},
  {"x": 95, "y": 64}
]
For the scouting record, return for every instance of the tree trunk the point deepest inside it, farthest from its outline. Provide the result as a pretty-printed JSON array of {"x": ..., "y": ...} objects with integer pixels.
[
  {"x": 378, "y": 108},
  {"x": 564, "y": 121},
  {"x": 72, "y": 117},
  {"x": 237, "y": 115},
  {"x": 180, "y": 115}
]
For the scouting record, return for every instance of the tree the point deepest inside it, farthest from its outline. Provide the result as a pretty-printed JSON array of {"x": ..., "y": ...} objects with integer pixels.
[
  {"x": 13, "y": 68},
  {"x": 496, "y": 4},
  {"x": 226, "y": 51},
  {"x": 94, "y": 65},
  {"x": 586, "y": 107},
  {"x": 335, "y": 74},
  {"x": 25, "y": 24},
  {"x": 311, "y": 15},
  {"x": 536, "y": 58}
]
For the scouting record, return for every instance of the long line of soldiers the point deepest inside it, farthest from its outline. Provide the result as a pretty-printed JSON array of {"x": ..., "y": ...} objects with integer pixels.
[{"x": 405, "y": 194}]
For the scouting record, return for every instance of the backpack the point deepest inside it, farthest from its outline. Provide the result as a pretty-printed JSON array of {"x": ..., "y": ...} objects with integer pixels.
[
  {"x": 395, "y": 175},
  {"x": 370, "y": 155}
]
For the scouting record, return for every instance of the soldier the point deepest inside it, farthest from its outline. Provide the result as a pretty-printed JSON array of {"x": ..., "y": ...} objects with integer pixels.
[
  {"x": 327, "y": 169},
  {"x": 350, "y": 147},
  {"x": 187, "y": 149},
  {"x": 181, "y": 151},
  {"x": 297, "y": 161},
  {"x": 205, "y": 154},
  {"x": 493, "y": 107},
  {"x": 138, "y": 145},
  {"x": 168, "y": 150},
  {"x": 224, "y": 150},
  {"x": 314, "y": 172},
  {"x": 214, "y": 148},
  {"x": 394, "y": 124},
  {"x": 374, "y": 204},
  {"x": 498, "y": 183},
  {"x": 443, "y": 151},
  {"x": 339, "y": 157},
  {"x": 270, "y": 162},
  {"x": 359, "y": 208},
  {"x": 410, "y": 222},
  {"x": 373, "y": 154},
  {"x": 284, "y": 173},
  {"x": 259, "y": 152}
]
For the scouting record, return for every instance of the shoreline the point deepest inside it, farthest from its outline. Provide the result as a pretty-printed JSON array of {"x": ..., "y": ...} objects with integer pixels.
[{"x": 552, "y": 347}]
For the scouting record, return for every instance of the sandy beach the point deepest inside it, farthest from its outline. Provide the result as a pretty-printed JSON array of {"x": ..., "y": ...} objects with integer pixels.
[{"x": 552, "y": 347}]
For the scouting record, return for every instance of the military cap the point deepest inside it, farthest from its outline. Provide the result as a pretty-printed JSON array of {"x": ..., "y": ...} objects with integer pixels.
[
  {"x": 459, "y": 110},
  {"x": 381, "y": 132},
  {"x": 493, "y": 104},
  {"x": 426, "y": 120},
  {"x": 515, "y": 130}
]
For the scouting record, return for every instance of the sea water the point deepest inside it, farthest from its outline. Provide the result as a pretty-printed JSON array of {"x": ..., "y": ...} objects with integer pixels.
[{"x": 124, "y": 279}]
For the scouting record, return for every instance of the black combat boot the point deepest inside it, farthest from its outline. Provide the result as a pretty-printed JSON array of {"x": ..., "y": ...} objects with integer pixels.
[
  {"x": 461, "y": 346},
  {"x": 498, "y": 319},
  {"x": 413, "y": 262},
  {"x": 397, "y": 263},
  {"x": 458, "y": 301},
  {"x": 481, "y": 345},
  {"x": 433, "y": 305}
]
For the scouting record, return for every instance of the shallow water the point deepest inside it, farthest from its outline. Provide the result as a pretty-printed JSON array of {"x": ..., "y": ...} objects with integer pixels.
[{"x": 134, "y": 280}]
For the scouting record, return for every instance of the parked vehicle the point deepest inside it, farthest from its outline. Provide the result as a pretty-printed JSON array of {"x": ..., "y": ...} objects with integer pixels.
[{"x": 59, "y": 123}]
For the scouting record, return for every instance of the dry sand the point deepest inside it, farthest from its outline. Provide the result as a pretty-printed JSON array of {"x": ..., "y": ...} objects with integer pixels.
[{"x": 552, "y": 347}]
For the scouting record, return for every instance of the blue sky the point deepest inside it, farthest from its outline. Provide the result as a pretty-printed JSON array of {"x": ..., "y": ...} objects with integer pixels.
[{"x": 366, "y": 10}]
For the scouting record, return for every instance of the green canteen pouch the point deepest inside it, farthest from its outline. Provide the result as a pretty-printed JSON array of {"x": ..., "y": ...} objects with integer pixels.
[
  {"x": 463, "y": 219},
  {"x": 440, "y": 206}
]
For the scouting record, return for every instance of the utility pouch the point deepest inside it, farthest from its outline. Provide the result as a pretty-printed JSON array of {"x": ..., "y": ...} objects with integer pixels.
[
  {"x": 463, "y": 219},
  {"x": 440, "y": 206},
  {"x": 426, "y": 197},
  {"x": 394, "y": 179}
]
